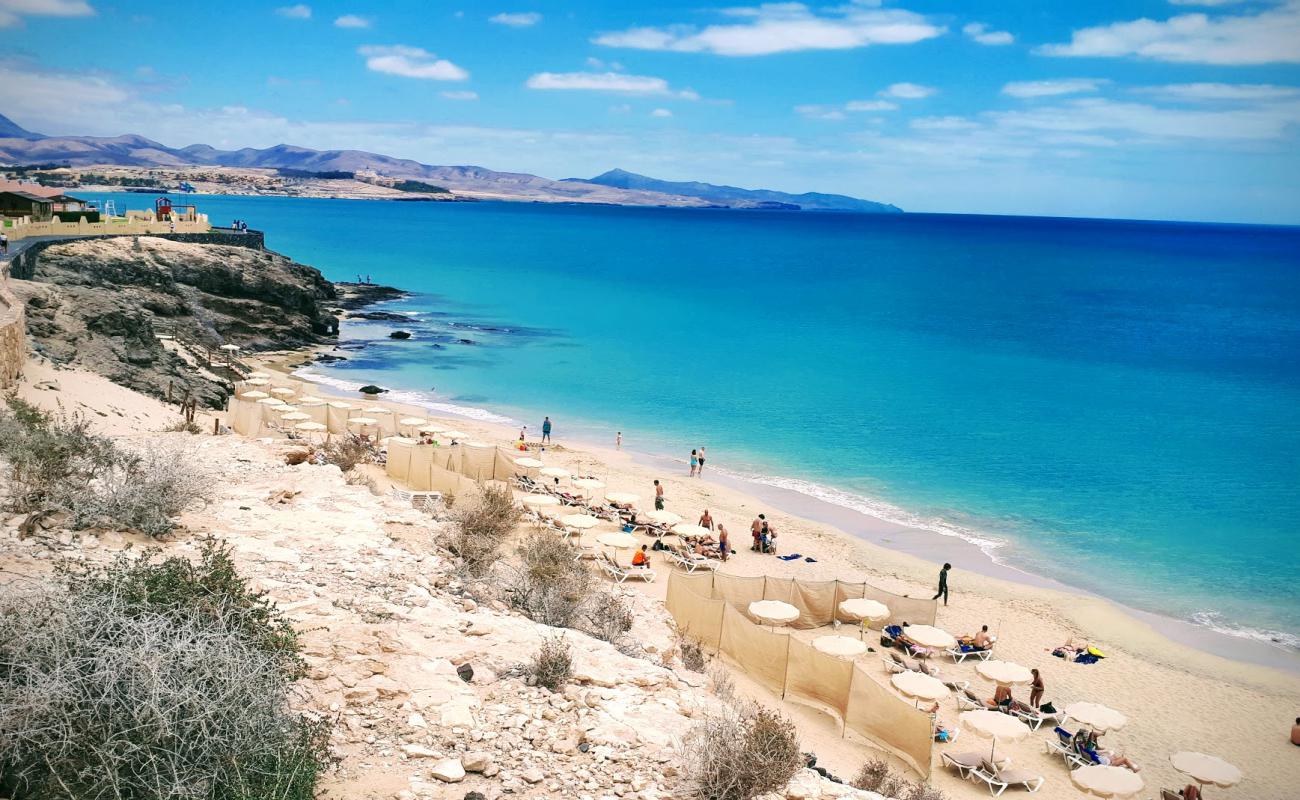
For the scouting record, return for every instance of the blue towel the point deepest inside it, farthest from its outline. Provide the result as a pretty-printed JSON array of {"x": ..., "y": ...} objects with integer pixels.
[
  {"x": 790, "y": 557},
  {"x": 811, "y": 560}
]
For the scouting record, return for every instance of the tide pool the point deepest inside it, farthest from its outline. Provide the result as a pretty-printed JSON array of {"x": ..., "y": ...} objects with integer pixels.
[{"x": 1112, "y": 404}]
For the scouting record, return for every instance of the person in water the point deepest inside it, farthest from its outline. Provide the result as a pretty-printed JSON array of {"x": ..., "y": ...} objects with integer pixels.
[
  {"x": 546, "y": 430},
  {"x": 695, "y": 464}
]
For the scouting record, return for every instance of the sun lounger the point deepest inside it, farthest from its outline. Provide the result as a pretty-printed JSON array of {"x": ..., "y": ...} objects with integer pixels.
[
  {"x": 1034, "y": 717},
  {"x": 1061, "y": 743},
  {"x": 959, "y": 655},
  {"x": 1169, "y": 794},
  {"x": 896, "y": 663},
  {"x": 969, "y": 701},
  {"x": 690, "y": 561},
  {"x": 1020, "y": 777},
  {"x": 621, "y": 574},
  {"x": 962, "y": 763}
]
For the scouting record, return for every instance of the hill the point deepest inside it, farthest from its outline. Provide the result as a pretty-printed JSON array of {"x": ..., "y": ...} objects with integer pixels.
[{"x": 735, "y": 196}]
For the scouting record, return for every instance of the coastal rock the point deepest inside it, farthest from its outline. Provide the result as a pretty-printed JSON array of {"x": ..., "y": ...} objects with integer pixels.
[
  {"x": 400, "y": 335},
  {"x": 370, "y": 388},
  {"x": 448, "y": 771}
]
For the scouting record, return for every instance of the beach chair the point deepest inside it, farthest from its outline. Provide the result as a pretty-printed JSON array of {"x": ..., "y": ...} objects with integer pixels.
[
  {"x": 896, "y": 663},
  {"x": 962, "y": 763},
  {"x": 418, "y": 499},
  {"x": 988, "y": 774},
  {"x": 1170, "y": 794},
  {"x": 1016, "y": 777},
  {"x": 1062, "y": 744},
  {"x": 1034, "y": 717},
  {"x": 621, "y": 574},
  {"x": 959, "y": 656},
  {"x": 585, "y": 552},
  {"x": 969, "y": 701}
]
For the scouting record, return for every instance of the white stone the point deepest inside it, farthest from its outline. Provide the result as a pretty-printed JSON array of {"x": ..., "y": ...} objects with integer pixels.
[
  {"x": 805, "y": 785},
  {"x": 448, "y": 771}
]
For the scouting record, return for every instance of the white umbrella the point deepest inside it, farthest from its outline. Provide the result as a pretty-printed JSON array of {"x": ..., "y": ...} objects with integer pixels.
[
  {"x": 539, "y": 500},
  {"x": 254, "y": 395},
  {"x": 528, "y": 463},
  {"x": 684, "y": 530},
  {"x": 283, "y": 391},
  {"x": 930, "y": 636},
  {"x": 295, "y": 416},
  {"x": 455, "y": 434},
  {"x": 773, "y": 612},
  {"x": 840, "y": 646},
  {"x": 580, "y": 521},
  {"x": 588, "y": 483},
  {"x": 1206, "y": 769},
  {"x": 663, "y": 517},
  {"x": 258, "y": 375},
  {"x": 918, "y": 685},
  {"x": 624, "y": 498},
  {"x": 1004, "y": 673},
  {"x": 861, "y": 608},
  {"x": 272, "y": 401},
  {"x": 256, "y": 382},
  {"x": 1096, "y": 716},
  {"x": 555, "y": 472},
  {"x": 433, "y": 430},
  {"x": 996, "y": 726},
  {"x": 341, "y": 404},
  {"x": 412, "y": 422},
  {"x": 618, "y": 540},
  {"x": 1106, "y": 781},
  {"x": 311, "y": 398},
  {"x": 376, "y": 410},
  {"x": 230, "y": 348},
  {"x": 310, "y": 426}
]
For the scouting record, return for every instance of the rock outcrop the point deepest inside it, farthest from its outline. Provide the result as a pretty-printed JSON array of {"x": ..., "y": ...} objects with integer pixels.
[{"x": 103, "y": 304}]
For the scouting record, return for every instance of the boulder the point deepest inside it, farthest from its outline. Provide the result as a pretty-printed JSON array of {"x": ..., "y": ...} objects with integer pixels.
[
  {"x": 476, "y": 761},
  {"x": 448, "y": 771}
]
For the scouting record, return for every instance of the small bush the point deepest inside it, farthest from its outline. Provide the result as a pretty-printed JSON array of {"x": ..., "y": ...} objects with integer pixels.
[
  {"x": 142, "y": 491},
  {"x": 358, "y": 478},
  {"x": 877, "y": 776},
  {"x": 151, "y": 679},
  {"x": 921, "y": 791},
  {"x": 737, "y": 752},
  {"x": 479, "y": 528},
  {"x": 722, "y": 684},
  {"x": 183, "y": 426},
  {"x": 549, "y": 585},
  {"x": 552, "y": 664},
  {"x": 872, "y": 775},
  {"x": 689, "y": 650},
  {"x": 607, "y": 616},
  {"x": 345, "y": 452}
]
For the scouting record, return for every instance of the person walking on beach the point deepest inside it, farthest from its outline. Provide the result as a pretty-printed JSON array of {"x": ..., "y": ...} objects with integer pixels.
[
  {"x": 1036, "y": 689},
  {"x": 724, "y": 541},
  {"x": 700, "y": 469},
  {"x": 659, "y": 496},
  {"x": 706, "y": 520},
  {"x": 4, "y": 244},
  {"x": 943, "y": 584},
  {"x": 546, "y": 430},
  {"x": 618, "y": 441},
  {"x": 695, "y": 463},
  {"x": 756, "y": 529}
]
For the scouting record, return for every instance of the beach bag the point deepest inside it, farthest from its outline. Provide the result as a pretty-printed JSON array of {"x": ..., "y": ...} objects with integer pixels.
[
  {"x": 1047, "y": 708},
  {"x": 886, "y": 642}
]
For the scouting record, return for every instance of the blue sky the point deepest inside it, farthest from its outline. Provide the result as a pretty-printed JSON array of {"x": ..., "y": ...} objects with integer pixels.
[{"x": 1171, "y": 109}]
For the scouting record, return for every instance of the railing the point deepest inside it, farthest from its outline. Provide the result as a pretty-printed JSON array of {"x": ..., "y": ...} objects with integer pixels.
[{"x": 214, "y": 358}]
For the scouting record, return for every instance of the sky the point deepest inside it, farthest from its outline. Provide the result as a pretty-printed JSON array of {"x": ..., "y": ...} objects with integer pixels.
[{"x": 1156, "y": 109}]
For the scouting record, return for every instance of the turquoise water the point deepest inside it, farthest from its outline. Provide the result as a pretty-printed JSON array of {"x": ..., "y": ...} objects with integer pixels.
[{"x": 1113, "y": 404}]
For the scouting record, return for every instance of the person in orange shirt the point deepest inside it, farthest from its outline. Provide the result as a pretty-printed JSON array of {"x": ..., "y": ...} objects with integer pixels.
[{"x": 641, "y": 558}]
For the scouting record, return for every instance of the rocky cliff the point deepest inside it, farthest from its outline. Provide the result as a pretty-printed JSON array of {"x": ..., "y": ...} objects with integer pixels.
[{"x": 102, "y": 304}]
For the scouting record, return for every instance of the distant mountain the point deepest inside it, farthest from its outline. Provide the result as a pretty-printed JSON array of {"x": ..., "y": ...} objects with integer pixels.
[
  {"x": 20, "y": 146},
  {"x": 733, "y": 196}
]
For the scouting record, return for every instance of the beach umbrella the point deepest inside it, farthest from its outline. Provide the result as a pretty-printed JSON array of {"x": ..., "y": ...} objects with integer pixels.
[
  {"x": 528, "y": 463},
  {"x": 588, "y": 483},
  {"x": 258, "y": 375},
  {"x": 930, "y": 636},
  {"x": 840, "y": 646},
  {"x": 283, "y": 391},
  {"x": 455, "y": 434},
  {"x": 256, "y": 382},
  {"x": 861, "y": 608},
  {"x": 663, "y": 517},
  {"x": 311, "y": 398},
  {"x": 555, "y": 472},
  {"x": 1206, "y": 769},
  {"x": 431, "y": 429},
  {"x": 684, "y": 530},
  {"x": 377, "y": 411},
  {"x": 412, "y": 422},
  {"x": 272, "y": 401},
  {"x": 362, "y": 422},
  {"x": 341, "y": 404},
  {"x": 773, "y": 612},
  {"x": 918, "y": 685},
  {"x": 622, "y": 498},
  {"x": 1096, "y": 716},
  {"x": 1004, "y": 673},
  {"x": 1104, "y": 781},
  {"x": 230, "y": 348},
  {"x": 254, "y": 395},
  {"x": 310, "y": 426},
  {"x": 580, "y": 521},
  {"x": 539, "y": 500},
  {"x": 294, "y": 416},
  {"x": 617, "y": 540},
  {"x": 996, "y": 726}
]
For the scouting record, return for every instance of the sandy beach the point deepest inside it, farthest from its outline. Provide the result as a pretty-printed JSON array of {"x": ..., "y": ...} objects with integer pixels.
[{"x": 1175, "y": 696}]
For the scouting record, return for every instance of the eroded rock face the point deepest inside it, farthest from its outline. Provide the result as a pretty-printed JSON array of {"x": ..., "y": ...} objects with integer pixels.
[{"x": 101, "y": 303}]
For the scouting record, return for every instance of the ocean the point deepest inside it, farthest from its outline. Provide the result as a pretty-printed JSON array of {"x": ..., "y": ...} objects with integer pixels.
[{"x": 1112, "y": 404}]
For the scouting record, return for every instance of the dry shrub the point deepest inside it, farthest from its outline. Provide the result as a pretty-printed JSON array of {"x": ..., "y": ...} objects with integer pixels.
[
  {"x": 689, "y": 650},
  {"x": 549, "y": 585},
  {"x": 921, "y": 791},
  {"x": 345, "y": 452},
  {"x": 358, "y": 478},
  {"x": 552, "y": 664},
  {"x": 479, "y": 528},
  {"x": 722, "y": 684},
  {"x": 183, "y": 426},
  {"x": 143, "y": 490},
  {"x": 147, "y": 679},
  {"x": 877, "y": 776},
  {"x": 739, "y": 751},
  {"x": 607, "y": 616},
  {"x": 873, "y": 775}
]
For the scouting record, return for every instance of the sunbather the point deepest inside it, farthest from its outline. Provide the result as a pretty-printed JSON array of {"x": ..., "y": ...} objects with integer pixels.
[
  {"x": 1086, "y": 743},
  {"x": 1002, "y": 699},
  {"x": 942, "y": 733},
  {"x": 980, "y": 640}
]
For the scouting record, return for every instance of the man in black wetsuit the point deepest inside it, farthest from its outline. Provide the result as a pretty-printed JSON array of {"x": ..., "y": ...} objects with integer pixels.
[{"x": 943, "y": 584}]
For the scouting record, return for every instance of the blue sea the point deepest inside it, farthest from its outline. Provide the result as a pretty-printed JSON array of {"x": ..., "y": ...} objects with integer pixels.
[{"x": 1112, "y": 404}]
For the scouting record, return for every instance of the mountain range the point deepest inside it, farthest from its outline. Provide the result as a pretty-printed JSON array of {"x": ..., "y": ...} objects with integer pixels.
[{"x": 21, "y": 146}]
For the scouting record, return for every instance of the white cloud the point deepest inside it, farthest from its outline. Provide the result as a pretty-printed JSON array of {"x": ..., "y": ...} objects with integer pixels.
[
  {"x": 870, "y": 105},
  {"x": 351, "y": 21},
  {"x": 812, "y": 111},
  {"x": 1052, "y": 88},
  {"x": 782, "y": 28},
  {"x": 661, "y": 112},
  {"x": 980, "y": 32},
  {"x": 13, "y": 11},
  {"x": 460, "y": 95},
  {"x": 617, "y": 82},
  {"x": 299, "y": 11},
  {"x": 943, "y": 124},
  {"x": 1222, "y": 91},
  {"x": 1266, "y": 37},
  {"x": 410, "y": 62},
  {"x": 521, "y": 19},
  {"x": 907, "y": 91},
  {"x": 1096, "y": 115},
  {"x": 1205, "y": 2}
]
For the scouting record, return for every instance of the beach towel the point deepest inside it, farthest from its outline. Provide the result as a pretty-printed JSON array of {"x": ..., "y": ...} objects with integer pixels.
[
  {"x": 1086, "y": 658},
  {"x": 790, "y": 557},
  {"x": 811, "y": 560}
]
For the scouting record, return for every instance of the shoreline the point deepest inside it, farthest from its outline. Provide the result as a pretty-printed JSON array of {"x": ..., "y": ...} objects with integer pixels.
[{"x": 858, "y": 526}]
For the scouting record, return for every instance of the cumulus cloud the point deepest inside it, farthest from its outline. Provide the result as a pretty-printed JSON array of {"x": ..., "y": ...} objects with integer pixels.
[
  {"x": 460, "y": 95},
  {"x": 299, "y": 11},
  {"x": 1052, "y": 88},
  {"x": 981, "y": 33},
  {"x": 351, "y": 21},
  {"x": 519, "y": 19},
  {"x": 1097, "y": 115},
  {"x": 782, "y": 28},
  {"x": 812, "y": 111},
  {"x": 870, "y": 105},
  {"x": 13, "y": 11},
  {"x": 661, "y": 112},
  {"x": 617, "y": 82},
  {"x": 410, "y": 62},
  {"x": 837, "y": 112},
  {"x": 1222, "y": 91},
  {"x": 1268, "y": 36},
  {"x": 907, "y": 91}
]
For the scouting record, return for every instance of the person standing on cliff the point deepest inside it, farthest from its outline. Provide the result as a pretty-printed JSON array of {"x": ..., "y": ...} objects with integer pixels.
[
  {"x": 546, "y": 430},
  {"x": 4, "y": 243},
  {"x": 943, "y": 584}
]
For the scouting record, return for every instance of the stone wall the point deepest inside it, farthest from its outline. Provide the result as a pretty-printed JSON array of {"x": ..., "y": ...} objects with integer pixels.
[{"x": 13, "y": 333}]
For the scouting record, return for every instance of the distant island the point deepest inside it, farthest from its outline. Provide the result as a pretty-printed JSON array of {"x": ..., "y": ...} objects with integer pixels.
[{"x": 131, "y": 160}]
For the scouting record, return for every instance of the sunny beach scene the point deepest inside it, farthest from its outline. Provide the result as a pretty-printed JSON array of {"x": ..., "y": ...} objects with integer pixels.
[{"x": 879, "y": 400}]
